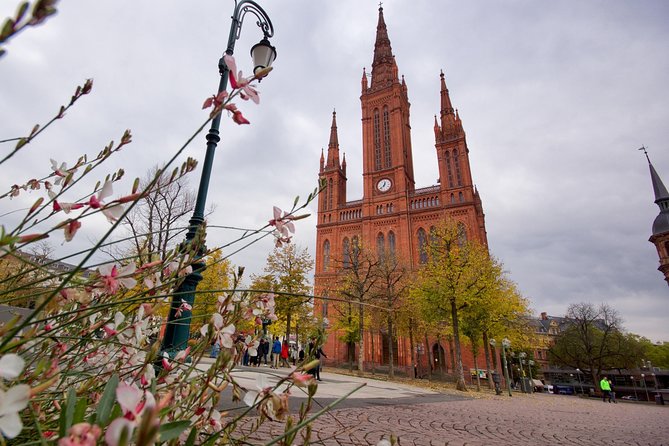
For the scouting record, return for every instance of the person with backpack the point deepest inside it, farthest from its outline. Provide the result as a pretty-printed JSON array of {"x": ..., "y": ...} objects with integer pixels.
[{"x": 276, "y": 352}]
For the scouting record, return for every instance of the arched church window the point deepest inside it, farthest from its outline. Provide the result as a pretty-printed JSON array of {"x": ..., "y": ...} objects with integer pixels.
[
  {"x": 462, "y": 234},
  {"x": 330, "y": 194},
  {"x": 452, "y": 198},
  {"x": 391, "y": 243},
  {"x": 386, "y": 136},
  {"x": 456, "y": 163},
  {"x": 461, "y": 197},
  {"x": 377, "y": 141},
  {"x": 422, "y": 246},
  {"x": 355, "y": 250},
  {"x": 346, "y": 247},
  {"x": 380, "y": 245},
  {"x": 449, "y": 171},
  {"x": 326, "y": 255}
]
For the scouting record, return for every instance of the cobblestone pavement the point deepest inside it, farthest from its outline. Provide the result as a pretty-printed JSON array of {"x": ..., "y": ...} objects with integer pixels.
[{"x": 540, "y": 419}]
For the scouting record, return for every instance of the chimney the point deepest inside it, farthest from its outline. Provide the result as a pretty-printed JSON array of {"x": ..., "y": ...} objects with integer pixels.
[{"x": 544, "y": 316}]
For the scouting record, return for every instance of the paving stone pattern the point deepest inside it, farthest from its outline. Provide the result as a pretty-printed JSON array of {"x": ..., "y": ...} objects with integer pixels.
[{"x": 522, "y": 420}]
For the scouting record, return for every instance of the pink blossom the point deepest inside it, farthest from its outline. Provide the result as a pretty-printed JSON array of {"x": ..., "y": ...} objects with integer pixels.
[
  {"x": 13, "y": 401},
  {"x": 215, "y": 100},
  {"x": 284, "y": 223},
  {"x": 185, "y": 306},
  {"x": 66, "y": 207},
  {"x": 70, "y": 228},
  {"x": 238, "y": 118},
  {"x": 116, "y": 429},
  {"x": 133, "y": 400},
  {"x": 237, "y": 81},
  {"x": 301, "y": 379},
  {"x": 81, "y": 434},
  {"x": 111, "y": 277},
  {"x": 112, "y": 211},
  {"x": 11, "y": 366},
  {"x": 60, "y": 171}
]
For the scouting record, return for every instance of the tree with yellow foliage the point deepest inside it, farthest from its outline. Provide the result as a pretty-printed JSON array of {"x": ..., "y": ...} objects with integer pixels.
[{"x": 457, "y": 275}]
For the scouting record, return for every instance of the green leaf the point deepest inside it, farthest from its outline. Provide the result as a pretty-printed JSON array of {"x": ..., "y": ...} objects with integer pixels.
[
  {"x": 191, "y": 437},
  {"x": 107, "y": 401},
  {"x": 170, "y": 431},
  {"x": 23, "y": 8},
  {"x": 7, "y": 29},
  {"x": 80, "y": 410},
  {"x": 67, "y": 415}
]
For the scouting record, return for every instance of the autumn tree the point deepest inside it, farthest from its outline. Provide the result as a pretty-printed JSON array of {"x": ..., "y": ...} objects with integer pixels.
[
  {"x": 357, "y": 286},
  {"x": 391, "y": 285},
  {"x": 456, "y": 275},
  {"x": 593, "y": 340},
  {"x": 26, "y": 276},
  {"x": 216, "y": 281},
  {"x": 287, "y": 271},
  {"x": 500, "y": 311}
]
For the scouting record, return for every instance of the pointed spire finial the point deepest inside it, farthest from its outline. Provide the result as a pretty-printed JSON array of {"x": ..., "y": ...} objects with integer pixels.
[
  {"x": 645, "y": 153},
  {"x": 384, "y": 69}
]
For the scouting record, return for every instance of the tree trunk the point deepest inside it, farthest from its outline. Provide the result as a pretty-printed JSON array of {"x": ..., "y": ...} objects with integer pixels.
[
  {"x": 351, "y": 345},
  {"x": 414, "y": 361},
  {"x": 288, "y": 318},
  {"x": 451, "y": 352},
  {"x": 371, "y": 333},
  {"x": 440, "y": 357},
  {"x": 430, "y": 361},
  {"x": 458, "y": 353},
  {"x": 476, "y": 368},
  {"x": 391, "y": 353},
  {"x": 486, "y": 353},
  {"x": 361, "y": 339}
]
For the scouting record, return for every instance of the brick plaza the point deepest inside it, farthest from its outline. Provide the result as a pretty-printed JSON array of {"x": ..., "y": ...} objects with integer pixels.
[{"x": 433, "y": 418}]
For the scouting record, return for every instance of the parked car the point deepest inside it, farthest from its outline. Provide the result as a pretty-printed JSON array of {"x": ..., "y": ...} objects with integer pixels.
[
  {"x": 548, "y": 388},
  {"x": 563, "y": 390},
  {"x": 629, "y": 398}
]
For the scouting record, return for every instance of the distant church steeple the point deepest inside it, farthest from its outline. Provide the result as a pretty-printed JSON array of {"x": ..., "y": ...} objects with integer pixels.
[{"x": 660, "y": 237}]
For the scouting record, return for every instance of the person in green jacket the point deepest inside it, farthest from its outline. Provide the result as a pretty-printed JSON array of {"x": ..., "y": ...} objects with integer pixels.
[{"x": 606, "y": 389}]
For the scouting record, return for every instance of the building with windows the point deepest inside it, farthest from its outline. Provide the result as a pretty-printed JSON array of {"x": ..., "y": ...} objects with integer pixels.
[{"x": 394, "y": 215}]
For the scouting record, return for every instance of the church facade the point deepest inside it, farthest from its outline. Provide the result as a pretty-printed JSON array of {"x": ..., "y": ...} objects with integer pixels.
[{"x": 393, "y": 214}]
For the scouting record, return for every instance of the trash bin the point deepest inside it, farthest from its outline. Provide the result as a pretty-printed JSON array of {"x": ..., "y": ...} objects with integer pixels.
[
  {"x": 658, "y": 399},
  {"x": 498, "y": 381}
]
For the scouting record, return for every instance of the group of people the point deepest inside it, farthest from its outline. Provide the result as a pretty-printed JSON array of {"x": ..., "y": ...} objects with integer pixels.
[
  {"x": 607, "y": 390},
  {"x": 275, "y": 353}
]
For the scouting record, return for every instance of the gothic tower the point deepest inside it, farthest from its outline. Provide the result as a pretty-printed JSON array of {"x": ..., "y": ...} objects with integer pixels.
[
  {"x": 393, "y": 216},
  {"x": 660, "y": 237}
]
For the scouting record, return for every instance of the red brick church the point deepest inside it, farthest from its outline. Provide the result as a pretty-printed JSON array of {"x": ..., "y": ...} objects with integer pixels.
[{"x": 392, "y": 213}]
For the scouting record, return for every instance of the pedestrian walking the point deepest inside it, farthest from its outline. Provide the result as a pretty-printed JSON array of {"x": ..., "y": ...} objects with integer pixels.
[
  {"x": 276, "y": 352},
  {"x": 284, "y": 354},
  {"x": 317, "y": 352},
  {"x": 612, "y": 392},
  {"x": 606, "y": 389}
]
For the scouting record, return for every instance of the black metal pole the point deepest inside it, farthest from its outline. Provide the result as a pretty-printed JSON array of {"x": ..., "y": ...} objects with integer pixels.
[{"x": 177, "y": 330}]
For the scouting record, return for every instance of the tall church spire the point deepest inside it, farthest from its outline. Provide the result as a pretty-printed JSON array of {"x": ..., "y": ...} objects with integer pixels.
[
  {"x": 384, "y": 69},
  {"x": 333, "y": 146},
  {"x": 446, "y": 106}
]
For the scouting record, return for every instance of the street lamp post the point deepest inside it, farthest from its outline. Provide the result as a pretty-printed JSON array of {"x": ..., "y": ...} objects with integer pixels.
[
  {"x": 263, "y": 54},
  {"x": 530, "y": 363},
  {"x": 523, "y": 381},
  {"x": 505, "y": 344},
  {"x": 643, "y": 378},
  {"x": 636, "y": 397},
  {"x": 578, "y": 375}
]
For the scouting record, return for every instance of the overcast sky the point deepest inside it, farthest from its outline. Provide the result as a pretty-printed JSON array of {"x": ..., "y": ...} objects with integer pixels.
[{"x": 555, "y": 97}]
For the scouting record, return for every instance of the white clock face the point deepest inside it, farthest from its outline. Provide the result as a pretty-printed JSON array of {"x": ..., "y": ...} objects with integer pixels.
[{"x": 384, "y": 185}]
